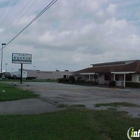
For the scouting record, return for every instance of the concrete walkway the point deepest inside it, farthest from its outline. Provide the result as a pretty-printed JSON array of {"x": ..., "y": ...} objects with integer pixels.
[{"x": 26, "y": 106}]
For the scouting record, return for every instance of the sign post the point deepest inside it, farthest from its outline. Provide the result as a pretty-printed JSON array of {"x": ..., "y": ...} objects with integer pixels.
[
  {"x": 21, "y": 58},
  {"x": 21, "y": 73}
]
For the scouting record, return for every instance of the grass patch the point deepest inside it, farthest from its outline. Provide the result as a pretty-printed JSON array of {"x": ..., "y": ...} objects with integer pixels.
[
  {"x": 117, "y": 104},
  {"x": 62, "y": 106},
  {"x": 78, "y": 106},
  {"x": 28, "y": 80},
  {"x": 9, "y": 93},
  {"x": 70, "y": 124},
  {"x": 111, "y": 108},
  {"x": 70, "y": 106}
]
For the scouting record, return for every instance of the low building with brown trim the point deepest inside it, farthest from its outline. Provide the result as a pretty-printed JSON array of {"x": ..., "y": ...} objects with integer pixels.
[{"x": 121, "y": 72}]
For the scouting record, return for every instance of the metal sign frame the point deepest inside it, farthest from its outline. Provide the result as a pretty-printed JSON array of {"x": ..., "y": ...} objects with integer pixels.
[{"x": 21, "y": 58}]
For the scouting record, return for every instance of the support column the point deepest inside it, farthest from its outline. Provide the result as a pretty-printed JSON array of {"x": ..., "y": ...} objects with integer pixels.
[
  {"x": 95, "y": 77},
  {"x": 114, "y": 77},
  {"x": 21, "y": 73},
  {"x": 124, "y": 81},
  {"x": 89, "y": 77}
]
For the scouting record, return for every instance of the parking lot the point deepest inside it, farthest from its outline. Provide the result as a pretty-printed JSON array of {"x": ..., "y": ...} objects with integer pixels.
[{"x": 55, "y": 94}]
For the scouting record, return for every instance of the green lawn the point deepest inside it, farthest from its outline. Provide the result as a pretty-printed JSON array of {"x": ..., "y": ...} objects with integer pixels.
[
  {"x": 71, "y": 124},
  {"x": 117, "y": 104},
  {"x": 9, "y": 93},
  {"x": 74, "y": 123},
  {"x": 26, "y": 80}
]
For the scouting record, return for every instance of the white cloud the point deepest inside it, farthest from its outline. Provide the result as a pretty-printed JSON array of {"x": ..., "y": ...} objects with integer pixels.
[
  {"x": 73, "y": 34},
  {"x": 45, "y": 38},
  {"x": 111, "y": 9},
  {"x": 24, "y": 20},
  {"x": 1, "y": 30}
]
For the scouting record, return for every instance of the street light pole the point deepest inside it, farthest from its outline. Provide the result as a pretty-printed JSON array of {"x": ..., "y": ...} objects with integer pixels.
[
  {"x": 6, "y": 66},
  {"x": 3, "y": 44}
]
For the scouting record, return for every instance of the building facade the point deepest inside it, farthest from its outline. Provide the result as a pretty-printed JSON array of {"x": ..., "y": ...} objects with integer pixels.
[
  {"x": 37, "y": 74},
  {"x": 120, "y": 72}
]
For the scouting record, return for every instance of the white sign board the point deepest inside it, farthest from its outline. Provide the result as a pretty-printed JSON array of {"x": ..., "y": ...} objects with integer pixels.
[{"x": 21, "y": 58}]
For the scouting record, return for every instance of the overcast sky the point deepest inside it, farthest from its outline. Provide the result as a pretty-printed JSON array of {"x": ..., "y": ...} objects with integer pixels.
[{"x": 72, "y": 34}]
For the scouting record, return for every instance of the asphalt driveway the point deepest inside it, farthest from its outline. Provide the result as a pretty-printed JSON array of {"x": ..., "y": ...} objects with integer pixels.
[{"x": 53, "y": 94}]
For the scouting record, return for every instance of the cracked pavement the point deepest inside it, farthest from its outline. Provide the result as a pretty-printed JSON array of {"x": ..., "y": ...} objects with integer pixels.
[{"x": 53, "y": 94}]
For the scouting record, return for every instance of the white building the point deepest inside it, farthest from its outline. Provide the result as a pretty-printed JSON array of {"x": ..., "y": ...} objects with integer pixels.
[
  {"x": 120, "y": 72},
  {"x": 37, "y": 74}
]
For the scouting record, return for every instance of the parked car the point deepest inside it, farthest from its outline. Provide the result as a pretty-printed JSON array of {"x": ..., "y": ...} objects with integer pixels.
[{"x": 6, "y": 75}]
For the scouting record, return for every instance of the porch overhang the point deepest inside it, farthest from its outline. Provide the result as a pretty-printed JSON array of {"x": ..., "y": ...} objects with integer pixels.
[
  {"x": 87, "y": 73},
  {"x": 124, "y": 72},
  {"x": 103, "y": 72}
]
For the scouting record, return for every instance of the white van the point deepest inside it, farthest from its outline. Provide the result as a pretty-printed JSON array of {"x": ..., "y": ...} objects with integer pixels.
[{"x": 17, "y": 75}]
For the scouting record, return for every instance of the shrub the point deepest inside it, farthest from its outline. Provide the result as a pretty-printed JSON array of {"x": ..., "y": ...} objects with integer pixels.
[
  {"x": 91, "y": 83},
  {"x": 30, "y": 78},
  {"x": 1, "y": 75},
  {"x": 60, "y": 80},
  {"x": 79, "y": 78},
  {"x": 80, "y": 81},
  {"x": 84, "y": 82},
  {"x": 72, "y": 79},
  {"x": 132, "y": 84},
  {"x": 112, "y": 84},
  {"x": 63, "y": 80}
]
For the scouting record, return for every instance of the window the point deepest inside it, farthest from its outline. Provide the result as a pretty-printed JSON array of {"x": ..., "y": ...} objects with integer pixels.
[
  {"x": 128, "y": 77},
  {"x": 107, "y": 76},
  {"x": 117, "y": 77},
  {"x": 95, "y": 76}
]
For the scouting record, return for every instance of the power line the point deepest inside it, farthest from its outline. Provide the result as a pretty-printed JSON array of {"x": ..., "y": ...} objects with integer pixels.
[
  {"x": 27, "y": 10},
  {"x": 21, "y": 12},
  {"x": 40, "y": 14},
  {"x": 9, "y": 13},
  {"x": 4, "y": 8}
]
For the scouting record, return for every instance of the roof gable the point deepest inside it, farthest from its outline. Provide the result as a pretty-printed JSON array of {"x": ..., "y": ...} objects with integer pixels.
[
  {"x": 121, "y": 66},
  {"x": 113, "y": 63}
]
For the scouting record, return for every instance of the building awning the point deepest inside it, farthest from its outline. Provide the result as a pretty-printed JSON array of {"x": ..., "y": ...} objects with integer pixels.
[
  {"x": 87, "y": 73},
  {"x": 103, "y": 72},
  {"x": 124, "y": 72}
]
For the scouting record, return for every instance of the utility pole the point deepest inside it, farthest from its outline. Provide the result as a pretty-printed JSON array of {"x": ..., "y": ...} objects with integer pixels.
[{"x": 3, "y": 44}]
